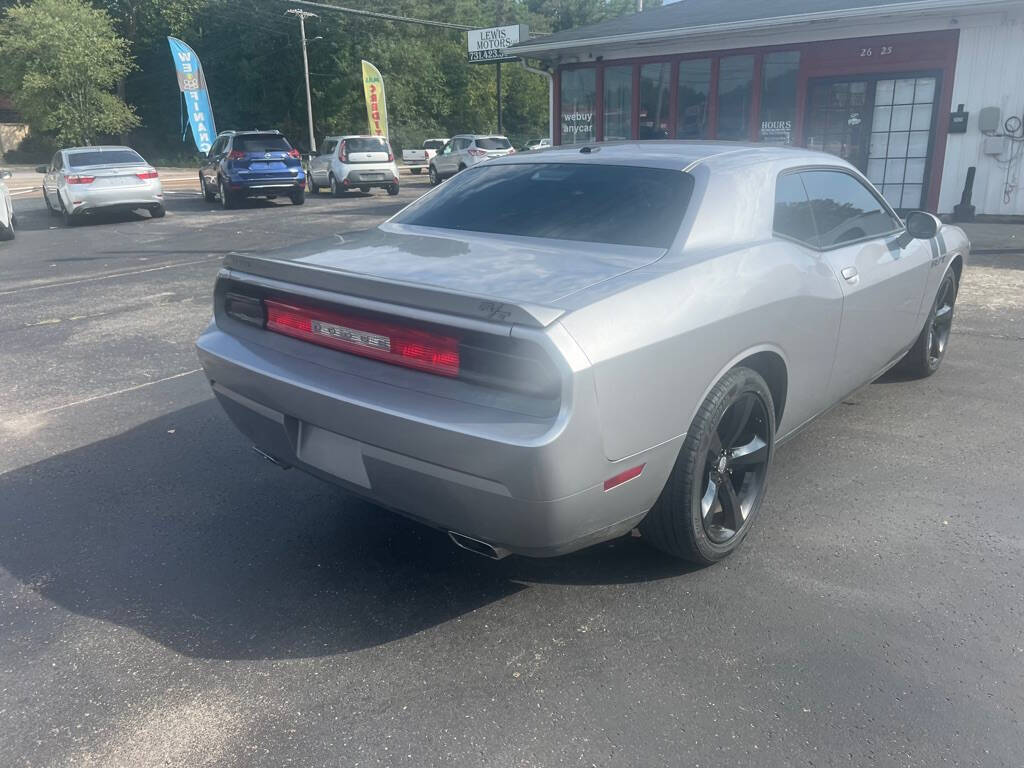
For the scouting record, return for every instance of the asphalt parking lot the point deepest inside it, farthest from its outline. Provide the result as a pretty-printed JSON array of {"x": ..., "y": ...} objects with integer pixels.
[{"x": 166, "y": 598}]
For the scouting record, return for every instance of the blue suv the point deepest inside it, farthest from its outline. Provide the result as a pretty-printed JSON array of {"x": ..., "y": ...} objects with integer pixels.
[{"x": 252, "y": 164}]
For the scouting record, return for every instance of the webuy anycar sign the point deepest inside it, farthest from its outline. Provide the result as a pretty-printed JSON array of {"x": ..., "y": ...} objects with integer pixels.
[{"x": 490, "y": 44}]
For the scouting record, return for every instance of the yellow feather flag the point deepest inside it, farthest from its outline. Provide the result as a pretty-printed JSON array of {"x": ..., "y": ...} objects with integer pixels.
[{"x": 376, "y": 106}]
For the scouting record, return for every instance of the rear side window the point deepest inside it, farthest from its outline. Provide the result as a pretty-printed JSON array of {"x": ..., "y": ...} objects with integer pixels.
[
  {"x": 615, "y": 204},
  {"x": 844, "y": 209},
  {"x": 436, "y": 144},
  {"x": 328, "y": 146},
  {"x": 793, "y": 217},
  {"x": 261, "y": 142},
  {"x": 371, "y": 144},
  {"x": 493, "y": 143},
  {"x": 104, "y": 157}
]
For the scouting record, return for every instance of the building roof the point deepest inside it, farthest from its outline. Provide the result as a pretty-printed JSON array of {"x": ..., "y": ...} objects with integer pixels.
[{"x": 689, "y": 17}]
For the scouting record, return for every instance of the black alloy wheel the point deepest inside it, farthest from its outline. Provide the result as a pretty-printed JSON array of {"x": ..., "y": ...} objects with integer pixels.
[
  {"x": 928, "y": 351},
  {"x": 719, "y": 479}
]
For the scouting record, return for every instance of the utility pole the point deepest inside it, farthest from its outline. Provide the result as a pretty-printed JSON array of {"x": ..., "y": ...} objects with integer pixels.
[
  {"x": 499, "y": 96},
  {"x": 303, "y": 15}
]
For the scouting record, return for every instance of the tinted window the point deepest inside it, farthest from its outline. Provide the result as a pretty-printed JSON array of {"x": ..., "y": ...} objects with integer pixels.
[
  {"x": 433, "y": 144},
  {"x": 793, "y": 210},
  {"x": 614, "y": 204},
  {"x": 618, "y": 103},
  {"x": 654, "y": 86},
  {"x": 261, "y": 142},
  {"x": 735, "y": 77},
  {"x": 493, "y": 142},
  {"x": 844, "y": 209},
  {"x": 692, "y": 99},
  {"x": 778, "y": 96},
  {"x": 103, "y": 157},
  {"x": 579, "y": 99},
  {"x": 367, "y": 144}
]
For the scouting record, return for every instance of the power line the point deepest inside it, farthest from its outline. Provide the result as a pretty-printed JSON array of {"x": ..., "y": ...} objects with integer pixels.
[{"x": 384, "y": 16}]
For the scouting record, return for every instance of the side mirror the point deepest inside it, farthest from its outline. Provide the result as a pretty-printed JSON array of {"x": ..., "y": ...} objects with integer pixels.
[
  {"x": 42, "y": 168},
  {"x": 922, "y": 225},
  {"x": 5, "y": 174}
]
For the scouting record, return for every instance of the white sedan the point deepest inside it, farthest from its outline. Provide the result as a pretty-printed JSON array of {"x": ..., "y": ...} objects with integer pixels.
[
  {"x": 6, "y": 209},
  {"x": 83, "y": 180}
]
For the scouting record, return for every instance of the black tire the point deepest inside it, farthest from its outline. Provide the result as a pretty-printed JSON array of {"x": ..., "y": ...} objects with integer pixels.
[
  {"x": 67, "y": 218},
  {"x": 298, "y": 196},
  {"x": 435, "y": 177},
  {"x": 314, "y": 188},
  {"x": 393, "y": 189},
  {"x": 925, "y": 357},
  {"x": 52, "y": 211},
  {"x": 718, "y": 482},
  {"x": 157, "y": 211},
  {"x": 365, "y": 190},
  {"x": 208, "y": 196},
  {"x": 227, "y": 200},
  {"x": 461, "y": 167},
  {"x": 416, "y": 171},
  {"x": 336, "y": 189},
  {"x": 7, "y": 233}
]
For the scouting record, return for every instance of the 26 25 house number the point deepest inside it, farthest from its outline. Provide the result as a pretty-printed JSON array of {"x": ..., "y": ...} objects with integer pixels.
[{"x": 883, "y": 50}]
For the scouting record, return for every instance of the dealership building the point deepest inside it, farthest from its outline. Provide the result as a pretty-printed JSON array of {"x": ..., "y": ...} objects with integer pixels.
[{"x": 912, "y": 93}]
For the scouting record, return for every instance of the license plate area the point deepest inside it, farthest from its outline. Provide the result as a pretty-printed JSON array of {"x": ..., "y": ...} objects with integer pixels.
[{"x": 332, "y": 453}]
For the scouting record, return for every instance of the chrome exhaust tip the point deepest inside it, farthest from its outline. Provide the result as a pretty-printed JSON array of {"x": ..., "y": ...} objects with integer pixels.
[
  {"x": 271, "y": 458},
  {"x": 478, "y": 547}
]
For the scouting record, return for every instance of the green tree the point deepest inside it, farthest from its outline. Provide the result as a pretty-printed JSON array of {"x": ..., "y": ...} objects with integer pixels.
[{"x": 61, "y": 61}]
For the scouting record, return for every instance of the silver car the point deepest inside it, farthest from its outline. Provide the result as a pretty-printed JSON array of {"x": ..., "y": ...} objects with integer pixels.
[
  {"x": 7, "y": 217},
  {"x": 346, "y": 163},
  {"x": 81, "y": 181},
  {"x": 558, "y": 348},
  {"x": 465, "y": 151}
]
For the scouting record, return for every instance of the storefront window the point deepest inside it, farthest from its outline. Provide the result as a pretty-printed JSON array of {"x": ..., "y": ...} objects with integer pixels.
[
  {"x": 778, "y": 96},
  {"x": 735, "y": 77},
  {"x": 692, "y": 99},
  {"x": 579, "y": 100},
  {"x": 654, "y": 85},
  {"x": 618, "y": 103}
]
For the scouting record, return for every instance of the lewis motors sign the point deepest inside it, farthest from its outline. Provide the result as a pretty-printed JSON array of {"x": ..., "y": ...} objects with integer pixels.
[{"x": 486, "y": 45}]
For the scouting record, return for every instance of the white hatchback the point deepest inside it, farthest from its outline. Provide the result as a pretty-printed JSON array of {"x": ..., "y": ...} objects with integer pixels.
[{"x": 346, "y": 163}]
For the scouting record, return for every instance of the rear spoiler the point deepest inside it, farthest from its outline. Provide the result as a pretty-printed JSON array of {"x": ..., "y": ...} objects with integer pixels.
[{"x": 478, "y": 307}]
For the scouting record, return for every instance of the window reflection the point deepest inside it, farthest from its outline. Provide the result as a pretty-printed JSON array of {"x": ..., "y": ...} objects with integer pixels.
[
  {"x": 778, "y": 96},
  {"x": 579, "y": 97},
  {"x": 618, "y": 103},
  {"x": 654, "y": 85},
  {"x": 692, "y": 98},
  {"x": 735, "y": 77},
  {"x": 844, "y": 209}
]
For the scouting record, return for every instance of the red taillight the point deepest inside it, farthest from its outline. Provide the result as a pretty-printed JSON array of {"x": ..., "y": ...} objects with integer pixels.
[
  {"x": 81, "y": 179},
  {"x": 293, "y": 152},
  {"x": 478, "y": 152},
  {"x": 147, "y": 175},
  {"x": 343, "y": 152},
  {"x": 236, "y": 154},
  {"x": 623, "y": 477},
  {"x": 388, "y": 342},
  {"x": 391, "y": 155}
]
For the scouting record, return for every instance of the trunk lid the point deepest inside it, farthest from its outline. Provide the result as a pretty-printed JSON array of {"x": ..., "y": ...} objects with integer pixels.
[{"x": 486, "y": 272}]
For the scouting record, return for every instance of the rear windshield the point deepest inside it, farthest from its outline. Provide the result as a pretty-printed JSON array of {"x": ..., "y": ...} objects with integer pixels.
[
  {"x": 104, "y": 157},
  {"x": 616, "y": 204},
  {"x": 369, "y": 144},
  {"x": 493, "y": 143},
  {"x": 261, "y": 142},
  {"x": 434, "y": 144}
]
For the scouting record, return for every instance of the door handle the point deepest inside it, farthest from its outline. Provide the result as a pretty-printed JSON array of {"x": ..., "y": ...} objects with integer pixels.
[{"x": 849, "y": 274}]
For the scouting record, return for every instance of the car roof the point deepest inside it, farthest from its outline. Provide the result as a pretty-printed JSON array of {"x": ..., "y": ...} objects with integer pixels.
[
  {"x": 246, "y": 131},
  {"x": 479, "y": 136},
  {"x": 98, "y": 148},
  {"x": 355, "y": 136},
  {"x": 675, "y": 155}
]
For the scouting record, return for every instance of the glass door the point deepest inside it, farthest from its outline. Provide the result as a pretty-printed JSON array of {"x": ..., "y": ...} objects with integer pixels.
[{"x": 883, "y": 125}]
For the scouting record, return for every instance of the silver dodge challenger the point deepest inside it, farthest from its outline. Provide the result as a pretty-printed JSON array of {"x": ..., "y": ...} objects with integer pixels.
[{"x": 554, "y": 349}]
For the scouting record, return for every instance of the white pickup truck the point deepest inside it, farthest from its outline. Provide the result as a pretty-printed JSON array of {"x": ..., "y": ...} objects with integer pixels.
[{"x": 418, "y": 159}]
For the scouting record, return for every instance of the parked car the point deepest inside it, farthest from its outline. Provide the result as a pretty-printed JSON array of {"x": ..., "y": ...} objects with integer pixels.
[
  {"x": 465, "y": 151},
  {"x": 7, "y": 219},
  {"x": 81, "y": 181},
  {"x": 418, "y": 159},
  {"x": 554, "y": 349},
  {"x": 244, "y": 164},
  {"x": 345, "y": 163},
  {"x": 538, "y": 144}
]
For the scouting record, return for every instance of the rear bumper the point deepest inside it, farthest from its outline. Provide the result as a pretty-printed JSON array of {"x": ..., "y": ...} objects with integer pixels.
[
  {"x": 262, "y": 185},
  {"x": 525, "y": 485},
  {"x": 144, "y": 195},
  {"x": 376, "y": 177}
]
